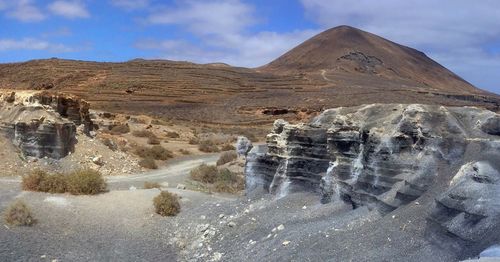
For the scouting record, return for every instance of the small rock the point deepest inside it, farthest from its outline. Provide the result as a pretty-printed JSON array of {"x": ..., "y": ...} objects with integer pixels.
[
  {"x": 181, "y": 186},
  {"x": 231, "y": 224},
  {"x": 221, "y": 216},
  {"x": 286, "y": 243},
  {"x": 202, "y": 217},
  {"x": 216, "y": 256},
  {"x": 98, "y": 160},
  {"x": 281, "y": 227},
  {"x": 304, "y": 207},
  {"x": 252, "y": 242},
  {"x": 273, "y": 230},
  {"x": 132, "y": 188},
  {"x": 43, "y": 256}
]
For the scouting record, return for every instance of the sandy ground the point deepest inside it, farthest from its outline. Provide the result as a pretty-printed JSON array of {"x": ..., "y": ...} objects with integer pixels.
[{"x": 116, "y": 226}]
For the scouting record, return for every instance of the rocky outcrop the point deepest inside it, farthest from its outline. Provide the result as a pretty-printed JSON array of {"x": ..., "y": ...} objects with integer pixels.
[
  {"x": 385, "y": 156},
  {"x": 42, "y": 124}
]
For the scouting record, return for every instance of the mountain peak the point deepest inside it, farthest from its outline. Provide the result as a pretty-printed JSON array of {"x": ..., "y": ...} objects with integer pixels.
[{"x": 349, "y": 50}]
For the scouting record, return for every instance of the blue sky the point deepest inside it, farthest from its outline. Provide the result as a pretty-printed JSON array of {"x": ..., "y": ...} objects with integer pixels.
[{"x": 462, "y": 35}]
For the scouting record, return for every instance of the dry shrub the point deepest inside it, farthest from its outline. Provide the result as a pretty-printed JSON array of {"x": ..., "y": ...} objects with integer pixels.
[
  {"x": 148, "y": 163},
  {"x": 156, "y": 152},
  {"x": 31, "y": 182},
  {"x": 208, "y": 146},
  {"x": 184, "y": 151},
  {"x": 173, "y": 135},
  {"x": 158, "y": 122},
  {"x": 153, "y": 140},
  {"x": 227, "y": 157},
  {"x": 167, "y": 204},
  {"x": 151, "y": 185},
  {"x": 110, "y": 143},
  {"x": 56, "y": 183},
  {"x": 142, "y": 133},
  {"x": 227, "y": 147},
  {"x": 120, "y": 129},
  {"x": 204, "y": 173},
  {"x": 229, "y": 182},
  {"x": 85, "y": 182},
  {"x": 194, "y": 141},
  {"x": 18, "y": 214}
]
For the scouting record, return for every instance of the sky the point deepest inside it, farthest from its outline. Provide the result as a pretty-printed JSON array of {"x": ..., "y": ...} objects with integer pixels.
[{"x": 462, "y": 35}]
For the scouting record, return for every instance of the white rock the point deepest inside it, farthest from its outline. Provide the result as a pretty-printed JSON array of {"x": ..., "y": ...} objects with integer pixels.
[
  {"x": 221, "y": 216},
  {"x": 98, "y": 160},
  {"x": 281, "y": 227},
  {"x": 286, "y": 243},
  {"x": 231, "y": 224},
  {"x": 203, "y": 217},
  {"x": 216, "y": 256},
  {"x": 181, "y": 186},
  {"x": 304, "y": 207},
  {"x": 252, "y": 242},
  {"x": 132, "y": 188}
]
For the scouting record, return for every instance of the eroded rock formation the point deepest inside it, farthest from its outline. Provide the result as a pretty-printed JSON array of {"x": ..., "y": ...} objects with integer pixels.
[
  {"x": 43, "y": 124},
  {"x": 385, "y": 156}
]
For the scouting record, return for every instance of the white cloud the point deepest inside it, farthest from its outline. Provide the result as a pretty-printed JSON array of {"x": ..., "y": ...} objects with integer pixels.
[
  {"x": 32, "y": 44},
  {"x": 443, "y": 29},
  {"x": 216, "y": 17},
  {"x": 222, "y": 26},
  {"x": 69, "y": 9},
  {"x": 24, "y": 10},
  {"x": 131, "y": 4}
]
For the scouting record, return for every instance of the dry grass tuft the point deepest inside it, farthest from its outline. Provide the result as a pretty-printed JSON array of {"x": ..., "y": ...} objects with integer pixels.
[
  {"x": 120, "y": 129},
  {"x": 142, "y": 133},
  {"x": 204, "y": 173},
  {"x": 85, "y": 182},
  {"x": 167, "y": 204},
  {"x": 151, "y": 185},
  {"x": 184, "y": 151},
  {"x": 148, "y": 163},
  {"x": 156, "y": 152},
  {"x": 18, "y": 214},
  {"x": 208, "y": 146},
  {"x": 227, "y": 157},
  {"x": 173, "y": 135}
]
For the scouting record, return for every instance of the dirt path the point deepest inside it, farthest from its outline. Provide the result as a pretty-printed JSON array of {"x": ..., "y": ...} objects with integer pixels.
[{"x": 116, "y": 226}]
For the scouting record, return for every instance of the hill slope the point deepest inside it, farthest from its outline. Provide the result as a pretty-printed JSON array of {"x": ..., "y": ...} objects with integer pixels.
[
  {"x": 340, "y": 67},
  {"x": 347, "y": 49}
]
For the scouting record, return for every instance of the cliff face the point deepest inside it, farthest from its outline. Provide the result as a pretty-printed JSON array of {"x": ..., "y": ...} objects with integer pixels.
[
  {"x": 387, "y": 156},
  {"x": 43, "y": 124}
]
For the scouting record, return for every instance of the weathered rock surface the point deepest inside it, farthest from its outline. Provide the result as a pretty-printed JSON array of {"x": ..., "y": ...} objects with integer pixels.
[
  {"x": 385, "y": 156},
  {"x": 43, "y": 124}
]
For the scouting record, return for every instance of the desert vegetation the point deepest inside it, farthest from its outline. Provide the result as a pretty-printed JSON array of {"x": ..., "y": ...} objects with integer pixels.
[
  {"x": 151, "y": 185},
  {"x": 18, "y": 214},
  {"x": 148, "y": 163},
  {"x": 81, "y": 182},
  {"x": 167, "y": 204},
  {"x": 142, "y": 133},
  {"x": 227, "y": 157},
  {"x": 208, "y": 146},
  {"x": 120, "y": 129},
  {"x": 219, "y": 180}
]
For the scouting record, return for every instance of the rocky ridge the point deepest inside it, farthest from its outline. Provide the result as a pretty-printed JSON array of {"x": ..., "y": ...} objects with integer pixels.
[
  {"x": 43, "y": 124},
  {"x": 385, "y": 156}
]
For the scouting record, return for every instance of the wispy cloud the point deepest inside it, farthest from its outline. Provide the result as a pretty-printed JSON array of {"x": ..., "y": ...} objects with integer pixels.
[
  {"x": 69, "y": 9},
  {"x": 23, "y": 10},
  {"x": 131, "y": 4},
  {"x": 443, "y": 29},
  {"x": 222, "y": 26},
  {"x": 33, "y": 44}
]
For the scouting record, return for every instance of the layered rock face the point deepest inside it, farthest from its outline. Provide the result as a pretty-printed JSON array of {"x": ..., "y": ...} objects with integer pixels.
[
  {"x": 385, "y": 156},
  {"x": 42, "y": 124}
]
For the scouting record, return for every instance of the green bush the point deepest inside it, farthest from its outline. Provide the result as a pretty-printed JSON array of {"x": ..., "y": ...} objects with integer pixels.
[
  {"x": 208, "y": 146},
  {"x": 148, "y": 163},
  {"x": 151, "y": 185},
  {"x": 18, "y": 214},
  {"x": 166, "y": 204},
  {"x": 204, "y": 173},
  {"x": 227, "y": 157},
  {"x": 85, "y": 182}
]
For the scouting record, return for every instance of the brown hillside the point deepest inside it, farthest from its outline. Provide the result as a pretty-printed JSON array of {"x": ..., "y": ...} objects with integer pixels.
[
  {"x": 347, "y": 49},
  {"x": 340, "y": 67}
]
